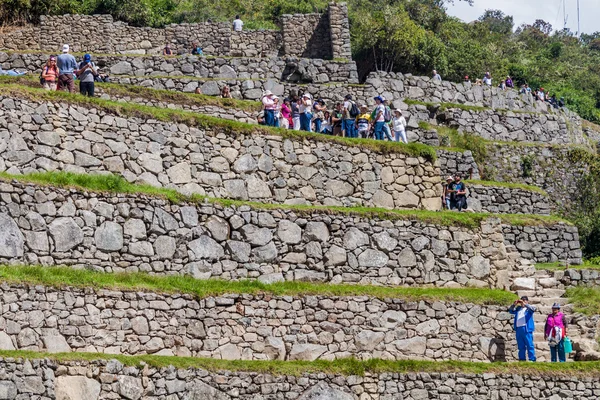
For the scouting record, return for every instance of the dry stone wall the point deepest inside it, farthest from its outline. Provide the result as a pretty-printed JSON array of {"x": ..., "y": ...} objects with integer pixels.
[
  {"x": 216, "y": 162},
  {"x": 95, "y": 380},
  {"x": 555, "y": 169},
  {"x": 256, "y": 327},
  {"x": 113, "y": 233},
  {"x": 498, "y": 199},
  {"x": 225, "y": 69},
  {"x": 310, "y": 35},
  {"x": 541, "y": 244},
  {"x": 452, "y": 162}
]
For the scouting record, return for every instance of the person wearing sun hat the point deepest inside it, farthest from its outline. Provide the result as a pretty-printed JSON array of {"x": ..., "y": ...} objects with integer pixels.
[
  {"x": 269, "y": 105},
  {"x": 524, "y": 327},
  {"x": 87, "y": 75},
  {"x": 555, "y": 332}
]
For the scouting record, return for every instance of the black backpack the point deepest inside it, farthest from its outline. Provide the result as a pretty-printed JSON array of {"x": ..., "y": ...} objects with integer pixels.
[{"x": 354, "y": 111}]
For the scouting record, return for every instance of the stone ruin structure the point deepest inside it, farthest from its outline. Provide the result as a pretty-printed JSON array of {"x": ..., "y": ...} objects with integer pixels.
[{"x": 277, "y": 208}]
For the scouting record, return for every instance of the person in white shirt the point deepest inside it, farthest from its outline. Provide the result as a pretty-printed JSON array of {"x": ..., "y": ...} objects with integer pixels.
[
  {"x": 399, "y": 126},
  {"x": 379, "y": 117},
  {"x": 269, "y": 106},
  {"x": 305, "y": 113},
  {"x": 524, "y": 327},
  {"x": 436, "y": 76},
  {"x": 237, "y": 24}
]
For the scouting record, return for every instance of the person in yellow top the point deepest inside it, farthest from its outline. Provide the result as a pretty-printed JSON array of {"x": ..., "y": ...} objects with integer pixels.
[{"x": 363, "y": 122}]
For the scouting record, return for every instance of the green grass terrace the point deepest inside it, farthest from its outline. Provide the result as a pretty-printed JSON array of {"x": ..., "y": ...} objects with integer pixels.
[
  {"x": 116, "y": 184},
  {"x": 343, "y": 367},
  {"x": 60, "y": 277}
]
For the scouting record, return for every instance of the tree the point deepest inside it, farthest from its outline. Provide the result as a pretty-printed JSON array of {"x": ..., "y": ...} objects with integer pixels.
[{"x": 497, "y": 21}]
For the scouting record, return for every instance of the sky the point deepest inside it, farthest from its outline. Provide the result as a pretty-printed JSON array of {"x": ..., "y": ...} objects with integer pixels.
[{"x": 527, "y": 11}]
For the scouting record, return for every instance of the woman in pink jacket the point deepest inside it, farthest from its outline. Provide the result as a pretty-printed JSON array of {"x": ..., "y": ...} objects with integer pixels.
[{"x": 555, "y": 332}]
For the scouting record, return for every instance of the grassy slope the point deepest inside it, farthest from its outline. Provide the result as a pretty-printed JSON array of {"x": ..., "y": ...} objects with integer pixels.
[
  {"x": 559, "y": 266},
  {"x": 509, "y": 185},
  {"x": 64, "y": 276},
  {"x": 343, "y": 367},
  {"x": 204, "y": 121},
  {"x": 585, "y": 299},
  {"x": 116, "y": 184},
  {"x": 167, "y": 96}
]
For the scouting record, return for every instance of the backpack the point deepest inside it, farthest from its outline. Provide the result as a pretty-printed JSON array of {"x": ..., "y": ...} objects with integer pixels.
[
  {"x": 354, "y": 111},
  {"x": 387, "y": 114}
]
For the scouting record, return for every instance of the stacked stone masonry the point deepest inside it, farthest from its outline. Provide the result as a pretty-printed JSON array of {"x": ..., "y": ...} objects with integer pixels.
[
  {"x": 47, "y": 137},
  {"x": 310, "y": 35},
  {"x": 498, "y": 200},
  {"x": 111, "y": 233},
  {"x": 541, "y": 243},
  {"x": 257, "y": 327},
  {"x": 23, "y": 378},
  {"x": 219, "y": 68}
]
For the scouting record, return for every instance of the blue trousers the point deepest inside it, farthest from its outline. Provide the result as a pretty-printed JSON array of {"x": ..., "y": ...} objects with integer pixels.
[
  {"x": 388, "y": 132},
  {"x": 305, "y": 119},
  {"x": 318, "y": 125},
  {"x": 559, "y": 350},
  {"x": 348, "y": 126},
  {"x": 525, "y": 344},
  {"x": 269, "y": 117},
  {"x": 379, "y": 129}
]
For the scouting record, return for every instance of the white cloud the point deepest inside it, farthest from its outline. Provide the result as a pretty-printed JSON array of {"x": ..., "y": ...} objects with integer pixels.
[{"x": 527, "y": 11}]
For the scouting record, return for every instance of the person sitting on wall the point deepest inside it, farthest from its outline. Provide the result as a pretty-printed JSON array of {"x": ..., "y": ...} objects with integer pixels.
[
  {"x": 502, "y": 85},
  {"x": 436, "y": 76},
  {"x": 167, "y": 50},
  {"x": 467, "y": 80},
  {"x": 524, "y": 327},
  {"x": 487, "y": 79},
  {"x": 102, "y": 77},
  {"x": 226, "y": 92},
  {"x": 197, "y": 50},
  {"x": 509, "y": 82},
  {"x": 237, "y": 24},
  {"x": 541, "y": 95},
  {"x": 460, "y": 193}
]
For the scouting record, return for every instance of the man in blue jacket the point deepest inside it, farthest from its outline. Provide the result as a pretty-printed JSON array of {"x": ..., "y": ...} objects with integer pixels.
[{"x": 524, "y": 327}]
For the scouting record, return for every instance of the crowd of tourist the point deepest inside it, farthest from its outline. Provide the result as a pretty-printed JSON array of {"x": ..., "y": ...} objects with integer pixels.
[{"x": 302, "y": 112}]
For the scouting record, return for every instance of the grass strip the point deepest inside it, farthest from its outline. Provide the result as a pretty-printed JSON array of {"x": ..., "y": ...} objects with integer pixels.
[
  {"x": 585, "y": 299},
  {"x": 208, "y": 122},
  {"x": 509, "y": 185},
  {"x": 116, "y": 184},
  {"x": 560, "y": 266},
  {"x": 166, "y": 96},
  {"x": 342, "y": 367},
  {"x": 60, "y": 277}
]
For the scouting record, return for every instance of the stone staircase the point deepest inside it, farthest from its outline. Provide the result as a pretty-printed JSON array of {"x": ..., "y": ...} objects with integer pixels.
[{"x": 544, "y": 290}]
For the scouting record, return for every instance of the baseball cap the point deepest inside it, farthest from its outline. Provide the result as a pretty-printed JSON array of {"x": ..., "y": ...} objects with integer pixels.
[{"x": 66, "y": 48}]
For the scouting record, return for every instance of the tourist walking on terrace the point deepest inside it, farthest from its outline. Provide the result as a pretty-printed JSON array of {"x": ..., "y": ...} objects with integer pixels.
[
  {"x": 86, "y": 74},
  {"x": 399, "y": 126},
  {"x": 305, "y": 109},
  {"x": 268, "y": 102},
  {"x": 237, "y": 24},
  {"x": 67, "y": 65},
  {"x": 524, "y": 327},
  {"x": 49, "y": 75},
  {"x": 379, "y": 119},
  {"x": 350, "y": 112},
  {"x": 555, "y": 332}
]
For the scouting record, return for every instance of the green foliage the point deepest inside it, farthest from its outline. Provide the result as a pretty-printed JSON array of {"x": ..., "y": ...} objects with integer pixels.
[
  {"x": 527, "y": 166},
  {"x": 585, "y": 299}
]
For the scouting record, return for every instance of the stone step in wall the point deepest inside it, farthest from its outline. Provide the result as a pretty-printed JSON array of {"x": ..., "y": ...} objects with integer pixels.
[
  {"x": 118, "y": 232},
  {"x": 257, "y": 327},
  {"x": 95, "y": 380},
  {"x": 225, "y": 68},
  {"x": 215, "y": 161}
]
